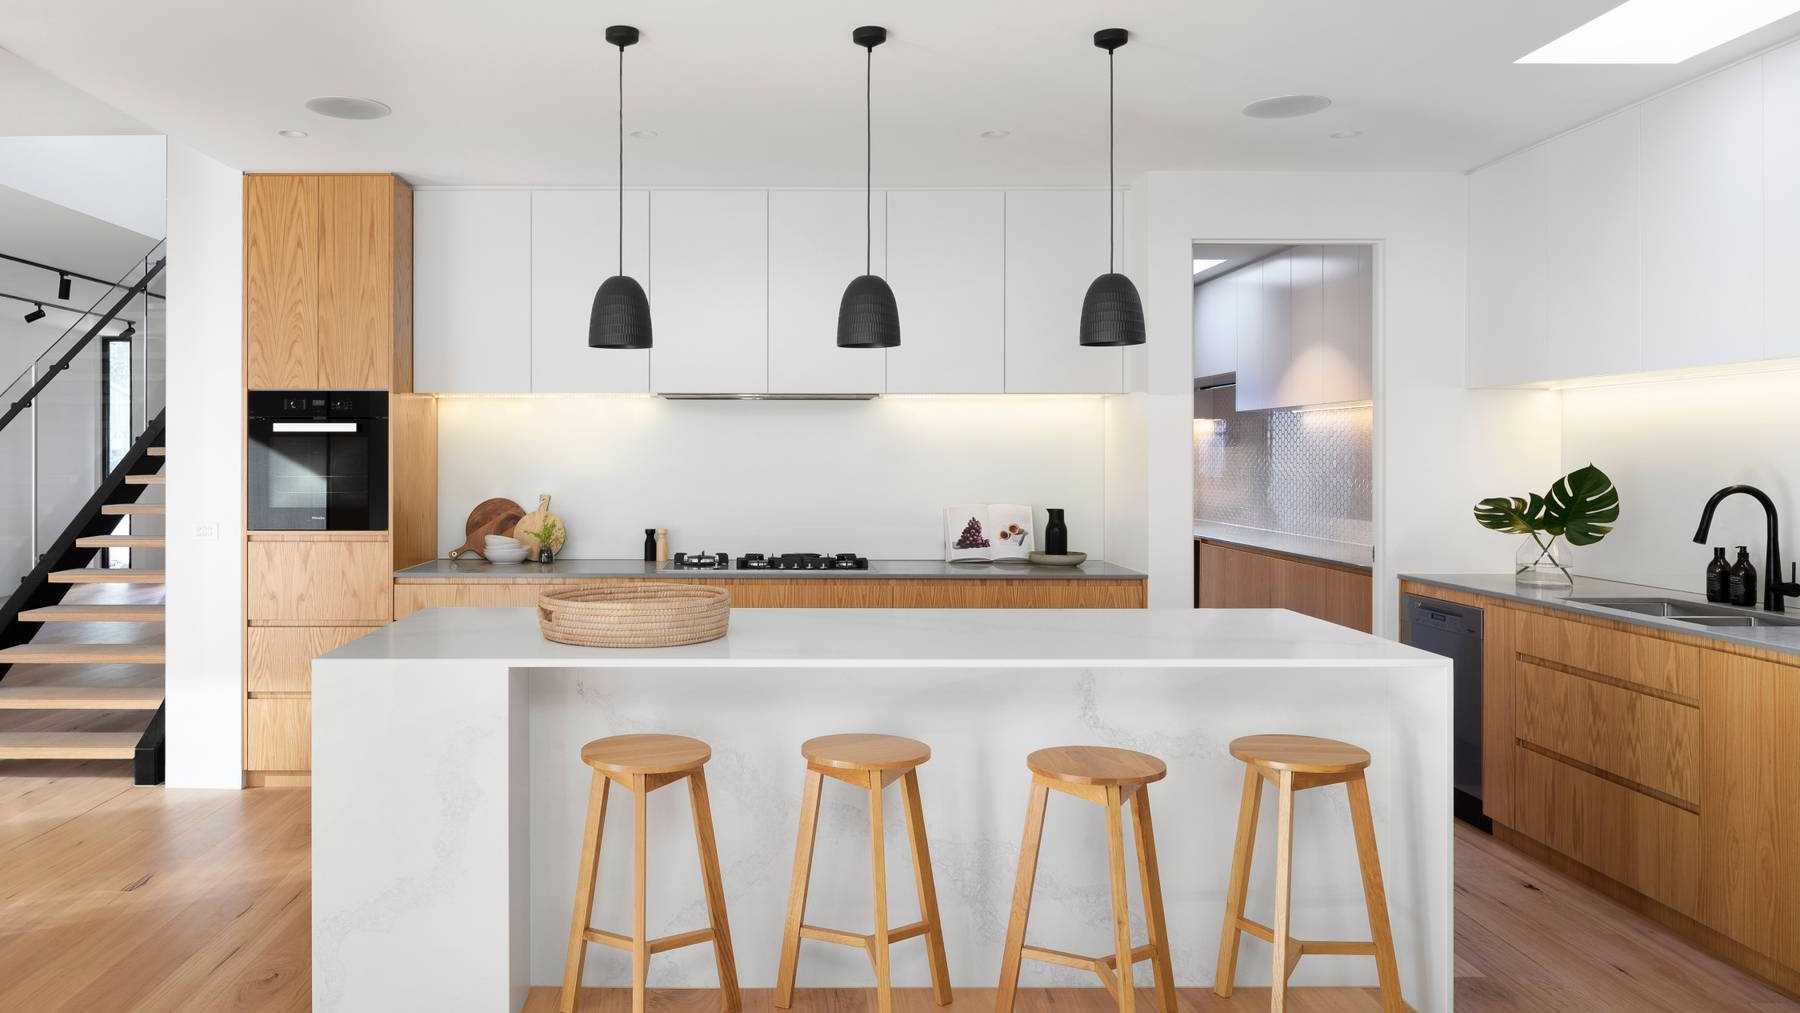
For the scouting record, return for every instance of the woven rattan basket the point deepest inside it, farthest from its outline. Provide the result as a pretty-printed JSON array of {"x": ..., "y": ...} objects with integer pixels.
[{"x": 634, "y": 615}]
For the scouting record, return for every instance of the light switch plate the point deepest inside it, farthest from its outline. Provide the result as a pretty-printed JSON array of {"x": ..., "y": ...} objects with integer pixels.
[{"x": 207, "y": 531}]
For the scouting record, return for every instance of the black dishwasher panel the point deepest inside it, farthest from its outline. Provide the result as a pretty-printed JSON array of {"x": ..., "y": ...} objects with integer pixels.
[{"x": 1454, "y": 631}]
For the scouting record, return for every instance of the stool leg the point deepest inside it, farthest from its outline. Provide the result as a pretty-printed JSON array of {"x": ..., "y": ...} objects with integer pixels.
[
  {"x": 1021, "y": 902},
  {"x": 878, "y": 941},
  {"x": 640, "y": 941},
  {"x": 1284, "y": 856},
  {"x": 715, "y": 892},
  {"x": 1374, "y": 894},
  {"x": 928, "y": 905},
  {"x": 1151, "y": 878},
  {"x": 584, "y": 891},
  {"x": 1239, "y": 884},
  {"x": 796, "y": 913},
  {"x": 1115, "y": 853}
]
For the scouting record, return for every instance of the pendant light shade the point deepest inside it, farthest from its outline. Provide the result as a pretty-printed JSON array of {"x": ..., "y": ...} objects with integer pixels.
[
  {"x": 621, "y": 314},
  {"x": 1112, "y": 314},
  {"x": 868, "y": 316}
]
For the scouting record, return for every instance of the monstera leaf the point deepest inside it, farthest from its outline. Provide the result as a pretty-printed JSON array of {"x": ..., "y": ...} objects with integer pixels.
[
  {"x": 1581, "y": 506},
  {"x": 1515, "y": 515}
]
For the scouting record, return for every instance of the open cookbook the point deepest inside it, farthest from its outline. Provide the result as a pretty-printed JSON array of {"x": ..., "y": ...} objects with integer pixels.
[{"x": 987, "y": 531}]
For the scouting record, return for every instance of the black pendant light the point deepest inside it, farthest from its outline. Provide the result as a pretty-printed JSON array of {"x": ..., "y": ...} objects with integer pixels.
[
  {"x": 621, "y": 313},
  {"x": 1111, "y": 314},
  {"x": 868, "y": 317}
]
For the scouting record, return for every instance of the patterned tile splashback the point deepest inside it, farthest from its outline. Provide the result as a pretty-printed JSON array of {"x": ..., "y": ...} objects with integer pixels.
[{"x": 1301, "y": 472}]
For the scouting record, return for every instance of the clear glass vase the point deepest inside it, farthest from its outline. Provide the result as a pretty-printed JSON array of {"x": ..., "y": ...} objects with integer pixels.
[{"x": 1543, "y": 561}]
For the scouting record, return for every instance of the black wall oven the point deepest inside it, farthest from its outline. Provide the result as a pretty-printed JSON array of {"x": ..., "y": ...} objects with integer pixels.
[{"x": 318, "y": 460}]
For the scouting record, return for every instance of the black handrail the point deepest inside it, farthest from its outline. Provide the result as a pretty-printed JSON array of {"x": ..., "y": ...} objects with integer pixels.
[{"x": 68, "y": 357}]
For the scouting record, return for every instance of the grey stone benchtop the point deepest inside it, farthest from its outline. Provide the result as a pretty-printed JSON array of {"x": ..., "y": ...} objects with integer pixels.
[{"x": 473, "y": 568}]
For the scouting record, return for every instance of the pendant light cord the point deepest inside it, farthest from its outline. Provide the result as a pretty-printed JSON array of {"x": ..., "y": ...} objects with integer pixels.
[
  {"x": 621, "y": 160},
  {"x": 1109, "y": 162},
  {"x": 869, "y": 160}
]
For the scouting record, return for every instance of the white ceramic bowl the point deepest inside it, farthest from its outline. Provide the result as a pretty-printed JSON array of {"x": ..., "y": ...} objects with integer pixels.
[
  {"x": 502, "y": 542},
  {"x": 496, "y": 554}
]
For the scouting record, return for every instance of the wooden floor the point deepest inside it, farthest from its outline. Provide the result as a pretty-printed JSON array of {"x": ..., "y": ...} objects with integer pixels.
[{"x": 121, "y": 898}]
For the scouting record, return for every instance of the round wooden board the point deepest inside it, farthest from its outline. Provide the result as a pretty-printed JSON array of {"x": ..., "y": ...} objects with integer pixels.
[{"x": 496, "y": 516}]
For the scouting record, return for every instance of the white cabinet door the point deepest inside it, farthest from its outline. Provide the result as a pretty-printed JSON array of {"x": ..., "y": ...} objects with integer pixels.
[
  {"x": 1215, "y": 326},
  {"x": 1508, "y": 311},
  {"x": 1301, "y": 379},
  {"x": 575, "y": 247},
  {"x": 816, "y": 248},
  {"x": 946, "y": 261},
  {"x": 1591, "y": 228},
  {"x": 1056, "y": 245},
  {"x": 1347, "y": 357},
  {"x": 709, "y": 291},
  {"x": 471, "y": 291},
  {"x": 1255, "y": 385},
  {"x": 1781, "y": 214},
  {"x": 1701, "y": 288}
]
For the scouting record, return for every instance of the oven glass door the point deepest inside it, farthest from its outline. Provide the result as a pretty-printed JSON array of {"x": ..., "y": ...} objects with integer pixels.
[{"x": 318, "y": 476}]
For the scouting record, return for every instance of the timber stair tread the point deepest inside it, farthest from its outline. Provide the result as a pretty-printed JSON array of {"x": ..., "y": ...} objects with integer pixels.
[
  {"x": 83, "y": 654},
  {"x": 94, "y": 614},
  {"x": 120, "y": 542},
  {"x": 121, "y": 698},
  {"x": 157, "y": 479},
  {"x": 127, "y": 509},
  {"x": 68, "y": 745},
  {"x": 157, "y": 451},
  {"x": 103, "y": 575}
]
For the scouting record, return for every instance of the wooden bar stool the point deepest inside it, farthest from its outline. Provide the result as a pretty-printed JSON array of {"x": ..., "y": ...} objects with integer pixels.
[
  {"x": 1295, "y": 763},
  {"x": 641, "y": 764},
  {"x": 871, "y": 762},
  {"x": 1110, "y": 777}
]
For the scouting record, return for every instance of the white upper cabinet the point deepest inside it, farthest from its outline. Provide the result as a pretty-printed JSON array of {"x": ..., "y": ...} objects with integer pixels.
[
  {"x": 816, "y": 248},
  {"x": 1508, "y": 313},
  {"x": 1781, "y": 211},
  {"x": 1255, "y": 384},
  {"x": 575, "y": 247},
  {"x": 1215, "y": 326},
  {"x": 1056, "y": 245},
  {"x": 472, "y": 291},
  {"x": 1701, "y": 180},
  {"x": 1298, "y": 377},
  {"x": 709, "y": 291},
  {"x": 1346, "y": 358},
  {"x": 1591, "y": 249},
  {"x": 947, "y": 264}
]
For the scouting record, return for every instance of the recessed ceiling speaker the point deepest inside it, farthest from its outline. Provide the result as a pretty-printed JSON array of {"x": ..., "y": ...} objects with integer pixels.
[
  {"x": 339, "y": 107},
  {"x": 1286, "y": 107}
]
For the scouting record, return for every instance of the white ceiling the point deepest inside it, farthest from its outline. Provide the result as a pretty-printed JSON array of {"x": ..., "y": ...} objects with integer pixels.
[
  {"x": 748, "y": 93},
  {"x": 37, "y": 104}
]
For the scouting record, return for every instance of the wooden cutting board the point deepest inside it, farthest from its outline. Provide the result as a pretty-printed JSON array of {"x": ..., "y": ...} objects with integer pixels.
[{"x": 490, "y": 517}]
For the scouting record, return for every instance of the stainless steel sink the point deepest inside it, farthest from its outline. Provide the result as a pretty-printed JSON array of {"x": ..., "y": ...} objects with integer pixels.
[{"x": 1697, "y": 613}]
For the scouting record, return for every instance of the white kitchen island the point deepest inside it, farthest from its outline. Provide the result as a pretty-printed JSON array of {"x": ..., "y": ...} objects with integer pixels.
[{"x": 448, "y": 794}]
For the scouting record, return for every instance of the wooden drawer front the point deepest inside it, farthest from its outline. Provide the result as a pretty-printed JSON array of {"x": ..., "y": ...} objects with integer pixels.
[
  {"x": 281, "y": 656},
  {"x": 1646, "y": 661},
  {"x": 1652, "y": 742},
  {"x": 1230, "y": 579},
  {"x": 410, "y": 598},
  {"x": 278, "y": 733},
  {"x": 1650, "y": 846},
  {"x": 321, "y": 582},
  {"x": 840, "y": 592}
]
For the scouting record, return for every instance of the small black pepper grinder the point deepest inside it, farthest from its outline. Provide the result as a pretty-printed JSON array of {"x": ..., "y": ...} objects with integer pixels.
[
  {"x": 649, "y": 545},
  {"x": 1718, "y": 577},
  {"x": 1742, "y": 581}
]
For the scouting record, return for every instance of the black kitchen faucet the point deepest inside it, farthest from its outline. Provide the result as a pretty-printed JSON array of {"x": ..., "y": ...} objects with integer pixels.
[{"x": 1775, "y": 590}]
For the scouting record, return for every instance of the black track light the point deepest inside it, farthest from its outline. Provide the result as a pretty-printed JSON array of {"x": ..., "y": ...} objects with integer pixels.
[
  {"x": 129, "y": 331},
  {"x": 1112, "y": 314},
  {"x": 868, "y": 316},
  {"x": 62, "y": 286},
  {"x": 36, "y": 314},
  {"x": 620, "y": 317}
]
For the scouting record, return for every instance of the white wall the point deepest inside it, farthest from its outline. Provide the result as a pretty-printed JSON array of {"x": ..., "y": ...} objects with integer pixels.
[
  {"x": 870, "y": 477},
  {"x": 1438, "y": 446},
  {"x": 203, "y": 674},
  {"x": 121, "y": 179},
  {"x": 1668, "y": 445}
]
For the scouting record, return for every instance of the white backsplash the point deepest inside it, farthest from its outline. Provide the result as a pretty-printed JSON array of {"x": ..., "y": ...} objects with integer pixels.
[
  {"x": 1670, "y": 444},
  {"x": 870, "y": 477},
  {"x": 1302, "y": 473}
]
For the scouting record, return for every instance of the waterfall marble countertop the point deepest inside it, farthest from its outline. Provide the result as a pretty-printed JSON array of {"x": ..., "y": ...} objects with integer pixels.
[
  {"x": 1321, "y": 550},
  {"x": 474, "y": 568}
]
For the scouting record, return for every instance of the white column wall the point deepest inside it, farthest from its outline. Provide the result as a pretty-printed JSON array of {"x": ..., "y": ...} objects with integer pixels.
[{"x": 204, "y": 671}]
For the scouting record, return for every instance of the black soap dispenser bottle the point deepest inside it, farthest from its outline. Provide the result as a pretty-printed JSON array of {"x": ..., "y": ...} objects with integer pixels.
[
  {"x": 1718, "y": 577},
  {"x": 1742, "y": 581}
]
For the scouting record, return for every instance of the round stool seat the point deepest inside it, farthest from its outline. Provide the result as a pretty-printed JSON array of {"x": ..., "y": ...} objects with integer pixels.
[
  {"x": 865, "y": 752},
  {"x": 646, "y": 754},
  {"x": 1101, "y": 765},
  {"x": 1302, "y": 754}
]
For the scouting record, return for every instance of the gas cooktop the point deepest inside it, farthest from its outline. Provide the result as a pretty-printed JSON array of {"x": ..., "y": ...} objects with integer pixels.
[{"x": 770, "y": 561}]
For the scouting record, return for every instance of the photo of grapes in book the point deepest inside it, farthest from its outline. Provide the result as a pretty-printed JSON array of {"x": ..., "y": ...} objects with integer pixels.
[{"x": 983, "y": 532}]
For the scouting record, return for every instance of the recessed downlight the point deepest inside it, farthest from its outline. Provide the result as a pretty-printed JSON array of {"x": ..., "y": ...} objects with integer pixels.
[
  {"x": 339, "y": 107},
  {"x": 1344, "y": 135},
  {"x": 292, "y": 134},
  {"x": 645, "y": 135},
  {"x": 995, "y": 135},
  {"x": 1286, "y": 107}
]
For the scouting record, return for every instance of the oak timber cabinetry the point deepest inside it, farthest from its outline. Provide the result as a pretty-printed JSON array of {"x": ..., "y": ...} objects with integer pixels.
[{"x": 1231, "y": 576}]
